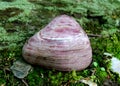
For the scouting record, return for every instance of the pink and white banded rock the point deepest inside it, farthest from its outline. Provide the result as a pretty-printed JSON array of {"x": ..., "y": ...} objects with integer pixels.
[{"x": 62, "y": 45}]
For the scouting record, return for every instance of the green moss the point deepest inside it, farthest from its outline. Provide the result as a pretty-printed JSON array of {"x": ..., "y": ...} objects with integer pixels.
[
  {"x": 22, "y": 6},
  {"x": 10, "y": 41},
  {"x": 35, "y": 78},
  {"x": 112, "y": 45},
  {"x": 17, "y": 24},
  {"x": 101, "y": 75}
]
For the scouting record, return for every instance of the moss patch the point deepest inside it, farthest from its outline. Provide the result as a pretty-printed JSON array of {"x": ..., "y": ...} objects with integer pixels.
[{"x": 20, "y": 19}]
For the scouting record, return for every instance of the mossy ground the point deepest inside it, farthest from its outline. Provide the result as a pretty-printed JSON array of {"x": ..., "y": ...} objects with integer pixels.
[{"x": 17, "y": 24}]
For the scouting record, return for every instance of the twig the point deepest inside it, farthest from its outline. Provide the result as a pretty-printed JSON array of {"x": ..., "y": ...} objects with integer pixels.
[
  {"x": 93, "y": 72},
  {"x": 94, "y": 35},
  {"x": 24, "y": 82}
]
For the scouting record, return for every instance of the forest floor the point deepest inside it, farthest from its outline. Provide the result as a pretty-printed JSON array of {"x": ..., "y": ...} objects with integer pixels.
[{"x": 20, "y": 19}]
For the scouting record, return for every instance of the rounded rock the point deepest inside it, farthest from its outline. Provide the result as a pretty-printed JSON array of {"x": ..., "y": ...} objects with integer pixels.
[{"x": 62, "y": 45}]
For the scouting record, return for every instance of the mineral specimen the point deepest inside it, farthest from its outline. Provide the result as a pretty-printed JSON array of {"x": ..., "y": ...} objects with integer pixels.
[{"x": 62, "y": 45}]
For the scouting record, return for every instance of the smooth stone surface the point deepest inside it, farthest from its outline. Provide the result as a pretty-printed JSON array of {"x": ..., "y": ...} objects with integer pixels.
[
  {"x": 62, "y": 45},
  {"x": 115, "y": 65},
  {"x": 20, "y": 69}
]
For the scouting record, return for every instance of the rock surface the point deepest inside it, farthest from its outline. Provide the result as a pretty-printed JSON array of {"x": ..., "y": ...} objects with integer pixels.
[
  {"x": 115, "y": 65},
  {"x": 62, "y": 45},
  {"x": 20, "y": 69}
]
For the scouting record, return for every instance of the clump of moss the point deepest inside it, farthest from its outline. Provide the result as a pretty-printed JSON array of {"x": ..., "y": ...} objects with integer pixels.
[
  {"x": 16, "y": 10},
  {"x": 35, "y": 78},
  {"x": 112, "y": 45},
  {"x": 59, "y": 78}
]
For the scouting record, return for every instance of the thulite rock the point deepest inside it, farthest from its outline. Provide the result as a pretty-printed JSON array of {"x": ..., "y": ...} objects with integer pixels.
[{"x": 62, "y": 45}]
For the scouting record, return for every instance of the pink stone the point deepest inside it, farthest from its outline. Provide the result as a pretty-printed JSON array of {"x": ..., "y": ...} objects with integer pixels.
[{"x": 62, "y": 45}]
